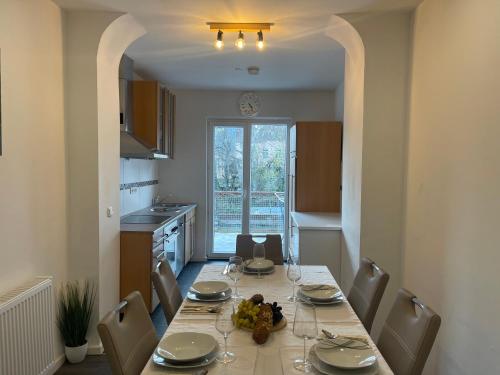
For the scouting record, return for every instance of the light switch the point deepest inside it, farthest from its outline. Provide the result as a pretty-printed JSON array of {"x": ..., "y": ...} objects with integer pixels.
[{"x": 110, "y": 211}]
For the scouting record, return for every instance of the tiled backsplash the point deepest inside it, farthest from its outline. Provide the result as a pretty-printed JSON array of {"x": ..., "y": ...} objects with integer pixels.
[{"x": 138, "y": 184}]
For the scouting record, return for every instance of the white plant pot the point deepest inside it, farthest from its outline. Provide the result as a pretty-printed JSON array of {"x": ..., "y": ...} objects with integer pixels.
[{"x": 76, "y": 354}]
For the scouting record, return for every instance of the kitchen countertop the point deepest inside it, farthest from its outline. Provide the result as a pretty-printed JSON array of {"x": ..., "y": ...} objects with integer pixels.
[
  {"x": 150, "y": 228},
  {"x": 317, "y": 220}
]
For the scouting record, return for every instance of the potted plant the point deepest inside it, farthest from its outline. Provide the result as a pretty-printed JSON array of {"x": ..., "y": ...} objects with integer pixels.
[{"x": 73, "y": 318}]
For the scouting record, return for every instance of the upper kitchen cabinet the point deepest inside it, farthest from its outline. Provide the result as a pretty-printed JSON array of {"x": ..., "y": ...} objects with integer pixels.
[
  {"x": 315, "y": 166},
  {"x": 153, "y": 115}
]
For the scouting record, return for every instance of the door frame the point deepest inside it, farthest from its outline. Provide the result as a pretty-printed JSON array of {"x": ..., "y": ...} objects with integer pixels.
[{"x": 244, "y": 123}]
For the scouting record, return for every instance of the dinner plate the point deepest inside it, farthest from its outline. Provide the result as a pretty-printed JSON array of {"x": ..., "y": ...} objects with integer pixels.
[
  {"x": 209, "y": 288},
  {"x": 333, "y": 301},
  {"x": 219, "y": 297},
  {"x": 186, "y": 347},
  {"x": 264, "y": 272},
  {"x": 160, "y": 361},
  {"x": 331, "y": 370},
  {"x": 321, "y": 295},
  {"x": 346, "y": 358},
  {"x": 259, "y": 264}
]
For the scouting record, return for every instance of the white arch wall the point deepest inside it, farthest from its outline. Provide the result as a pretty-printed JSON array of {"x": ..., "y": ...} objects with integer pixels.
[
  {"x": 343, "y": 32},
  {"x": 93, "y": 45}
]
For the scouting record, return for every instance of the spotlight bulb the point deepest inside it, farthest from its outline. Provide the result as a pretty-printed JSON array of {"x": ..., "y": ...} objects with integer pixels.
[
  {"x": 219, "y": 43},
  {"x": 240, "y": 42},
  {"x": 260, "y": 40}
]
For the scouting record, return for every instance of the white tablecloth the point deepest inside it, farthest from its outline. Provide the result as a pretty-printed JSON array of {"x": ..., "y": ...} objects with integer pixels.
[{"x": 275, "y": 356}]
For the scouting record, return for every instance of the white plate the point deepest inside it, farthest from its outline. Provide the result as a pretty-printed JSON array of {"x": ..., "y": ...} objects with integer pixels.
[
  {"x": 346, "y": 358},
  {"x": 260, "y": 264},
  {"x": 218, "y": 297},
  {"x": 331, "y": 370},
  {"x": 333, "y": 301},
  {"x": 321, "y": 295},
  {"x": 186, "y": 346},
  {"x": 160, "y": 361},
  {"x": 262, "y": 272},
  {"x": 209, "y": 288}
]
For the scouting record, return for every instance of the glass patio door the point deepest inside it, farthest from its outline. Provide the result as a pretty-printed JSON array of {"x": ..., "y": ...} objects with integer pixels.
[{"x": 247, "y": 169}]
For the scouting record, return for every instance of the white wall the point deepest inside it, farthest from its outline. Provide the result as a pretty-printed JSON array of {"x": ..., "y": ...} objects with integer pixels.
[
  {"x": 338, "y": 103},
  {"x": 33, "y": 176},
  {"x": 184, "y": 178},
  {"x": 451, "y": 251},
  {"x": 33, "y": 225},
  {"x": 386, "y": 38},
  {"x": 137, "y": 170}
]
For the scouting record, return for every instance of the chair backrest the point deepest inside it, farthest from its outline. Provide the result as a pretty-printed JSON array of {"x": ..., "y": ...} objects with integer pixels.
[
  {"x": 168, "y": 290},
  {"x": 245, "y": 244},
  {"x": 128, "y": 336},
  {"x": 367, "y": 291},
  {"x": 408, "y": 334}
]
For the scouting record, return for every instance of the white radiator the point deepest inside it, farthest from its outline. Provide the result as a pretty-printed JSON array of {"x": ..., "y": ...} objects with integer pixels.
[{"x": 27, "y": 329}]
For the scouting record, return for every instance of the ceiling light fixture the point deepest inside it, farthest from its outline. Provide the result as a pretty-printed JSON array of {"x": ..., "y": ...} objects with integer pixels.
[
  {"x": 221, "y": 27},
  {"x": 240, "y": 42},
  {"x": 260, "y": 40},
  {"x": 219, "y": 43}
]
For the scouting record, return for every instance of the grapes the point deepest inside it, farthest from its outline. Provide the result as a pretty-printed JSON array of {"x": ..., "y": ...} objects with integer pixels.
[
  {"x": 277, "y": 315},
  {"x": 246, "y": 315}
]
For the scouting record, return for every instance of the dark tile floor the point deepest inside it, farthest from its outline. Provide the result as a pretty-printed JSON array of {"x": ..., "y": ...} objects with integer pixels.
[{"x": 98, "y": 364}]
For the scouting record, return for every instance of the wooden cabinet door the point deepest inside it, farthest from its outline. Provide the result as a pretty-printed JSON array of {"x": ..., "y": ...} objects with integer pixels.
[
  {"x": 318, "y": 166},
  {"x": 146, "y": 96}
]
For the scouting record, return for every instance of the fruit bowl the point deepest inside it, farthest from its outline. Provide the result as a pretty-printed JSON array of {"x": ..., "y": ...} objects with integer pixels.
[{"x": 282, "y": 324}]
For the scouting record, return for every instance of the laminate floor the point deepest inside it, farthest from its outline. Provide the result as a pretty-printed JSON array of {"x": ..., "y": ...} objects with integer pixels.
[{"x": 98, "y": 364}]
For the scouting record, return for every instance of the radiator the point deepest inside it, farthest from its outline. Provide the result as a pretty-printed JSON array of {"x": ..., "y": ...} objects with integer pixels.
[{"x": 27, "y": 329}]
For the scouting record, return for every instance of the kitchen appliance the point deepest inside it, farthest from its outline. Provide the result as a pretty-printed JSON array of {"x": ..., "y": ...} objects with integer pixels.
[{"x": 174, "y": 245}]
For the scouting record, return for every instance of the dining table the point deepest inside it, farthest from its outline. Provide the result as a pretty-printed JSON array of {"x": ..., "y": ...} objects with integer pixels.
[{"x": 276, "y": 356}]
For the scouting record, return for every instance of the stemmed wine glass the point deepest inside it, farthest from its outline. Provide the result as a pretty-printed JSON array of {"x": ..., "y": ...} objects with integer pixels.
[
  {"x": 293, "y": 273},
  {"x": 259, "y": 254},
  {"x": 225, "y": 325},
  {"x": 234, "y": 271},
  {"x": 304, "y": 326}
]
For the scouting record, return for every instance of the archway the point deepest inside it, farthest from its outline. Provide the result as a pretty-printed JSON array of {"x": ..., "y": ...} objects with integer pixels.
[{"x": 354, "y": 76}]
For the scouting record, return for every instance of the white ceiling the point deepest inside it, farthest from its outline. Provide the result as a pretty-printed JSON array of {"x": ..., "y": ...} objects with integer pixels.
[{"x": 178, "y": 47}]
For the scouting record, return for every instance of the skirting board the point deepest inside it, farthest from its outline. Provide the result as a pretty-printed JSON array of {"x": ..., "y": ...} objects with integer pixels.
[
  {"x": 96, "y": 349},
  {"x": 55, "y": 365},
  {"x": 198, "y": 259}
]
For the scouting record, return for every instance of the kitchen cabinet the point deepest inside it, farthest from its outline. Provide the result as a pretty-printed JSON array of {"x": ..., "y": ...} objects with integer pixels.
[
  {"x": 190, "y": 235},
  {"x": 153, "y": 114},
  {"x": 315, "y": 239},
  {"x": 140, "y": 252},
  {"x": 315, "y": 166}
]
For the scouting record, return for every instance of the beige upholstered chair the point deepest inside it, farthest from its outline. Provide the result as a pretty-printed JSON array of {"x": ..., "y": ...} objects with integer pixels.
[
  {"x": 128, "y": 336},
  {"x": 408, "y": 334},
  {"x": 168, "y": 291},
  {"x": 367, "y": 291},
  {"x": 245, "y": 244}
]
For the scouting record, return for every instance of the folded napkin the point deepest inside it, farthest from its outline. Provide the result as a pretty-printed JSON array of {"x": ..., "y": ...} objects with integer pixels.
[
  {"x": 309, "y": 288},
  {"x": 351, "y": 342}
]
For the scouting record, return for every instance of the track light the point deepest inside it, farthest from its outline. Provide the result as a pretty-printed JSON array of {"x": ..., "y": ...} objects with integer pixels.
[
  {"x": 240, "y": 42},
  {"x": 219, "y": 43},
  {"x": 260, "y": 40}
]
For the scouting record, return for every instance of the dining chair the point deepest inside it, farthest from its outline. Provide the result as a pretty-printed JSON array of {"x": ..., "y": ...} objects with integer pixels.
[
  {"x": 168, "y": 290},
  {"x": 408, "y": 334},
  {"x": 245, "y": 244},
  {"x": 128, "y": 336},
  {"x": 367, "y": 291}
]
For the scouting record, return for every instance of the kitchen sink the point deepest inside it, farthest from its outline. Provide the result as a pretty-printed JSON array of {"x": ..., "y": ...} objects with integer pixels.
[
  {"x": 172, "y": 205},
  {"x": 144, "y": 219}
]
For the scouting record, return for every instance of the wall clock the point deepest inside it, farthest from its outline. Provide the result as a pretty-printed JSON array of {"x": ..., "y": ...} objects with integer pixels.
[{"x": 249, "y": 104}]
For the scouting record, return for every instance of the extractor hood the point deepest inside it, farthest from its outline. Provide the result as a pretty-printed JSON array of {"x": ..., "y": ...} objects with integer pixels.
[{"x": 132, "y": 148}]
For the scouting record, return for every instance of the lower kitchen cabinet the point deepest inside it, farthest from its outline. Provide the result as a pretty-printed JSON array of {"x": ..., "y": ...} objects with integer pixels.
[{"x": 315, "y": 239}]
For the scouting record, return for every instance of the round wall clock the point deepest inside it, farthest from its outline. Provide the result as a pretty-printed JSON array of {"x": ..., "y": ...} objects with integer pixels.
[{"x": 249, "y": 104}]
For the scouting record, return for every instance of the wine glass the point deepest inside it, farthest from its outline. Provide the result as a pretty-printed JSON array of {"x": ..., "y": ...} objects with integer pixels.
[
  {"x": 259, "y": 254},
  {"x": 304, "y": 326},
  {"x": 293, "y": 273},
  {"x": 225, "y": 325},
  {"x": 234, "y": 271}
]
